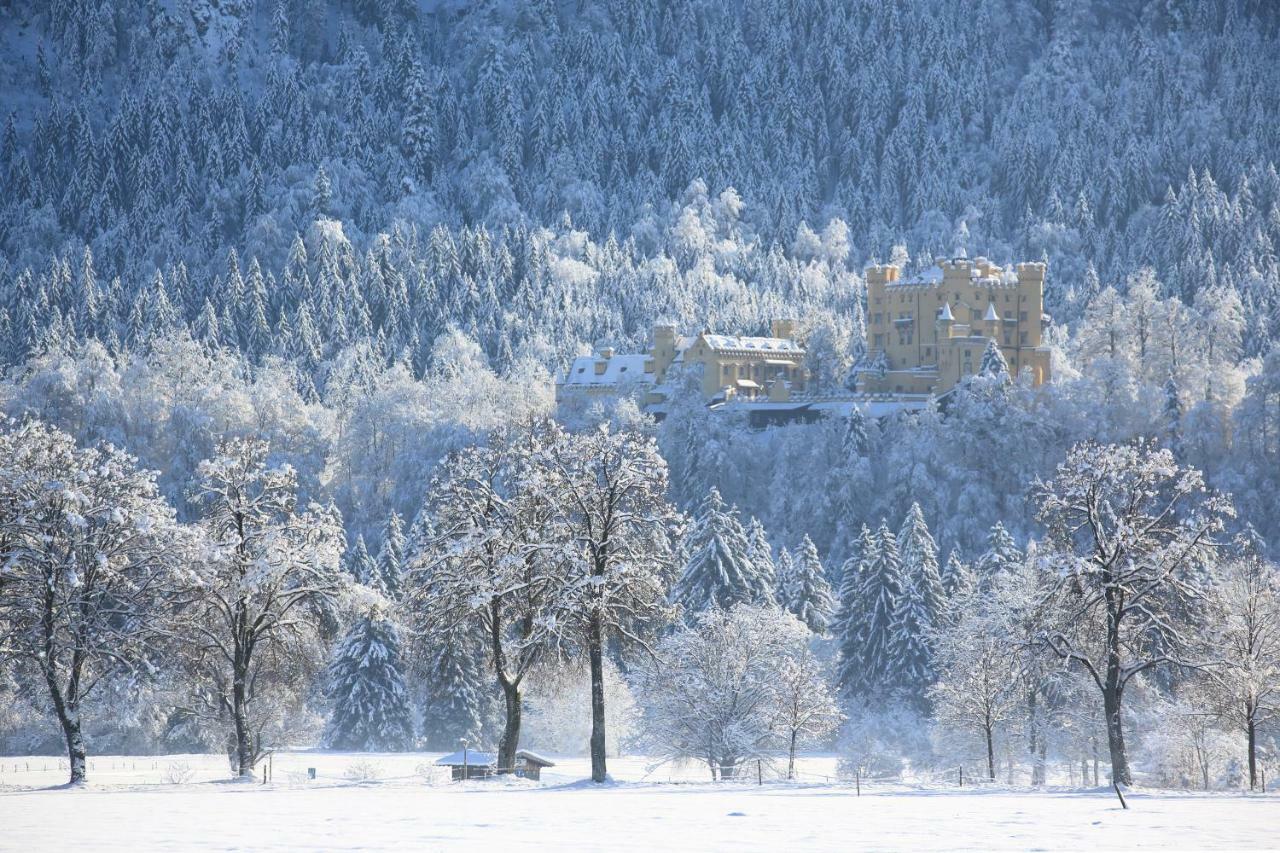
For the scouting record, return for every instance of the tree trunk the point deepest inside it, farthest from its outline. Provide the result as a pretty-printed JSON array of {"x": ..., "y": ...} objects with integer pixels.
[
  {"x": 595, "y": 651},
  {"x": 69, "y": 719},
  {"x": 791, "y": 757},
  {"x": 511, "y": 731},
  {"x": 1039, "y": 775},
  {"x": 240, "y": 721},
  {"x": 1252, "y": 730},
  {"x": 1115, "y": 733},
  {"x": 1113, "y": 693},
  {"x": 1033, "y": 738},
  {"x": 991, "y": 753}
]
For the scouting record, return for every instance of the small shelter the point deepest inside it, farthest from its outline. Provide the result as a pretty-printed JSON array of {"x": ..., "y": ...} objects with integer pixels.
[
  {"x": 469, "y": 764},
  {"x": 529, "y": 764}
]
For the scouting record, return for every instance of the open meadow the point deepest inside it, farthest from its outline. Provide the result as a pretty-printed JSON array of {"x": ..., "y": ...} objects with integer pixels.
[{"x": 385, "y": 802}]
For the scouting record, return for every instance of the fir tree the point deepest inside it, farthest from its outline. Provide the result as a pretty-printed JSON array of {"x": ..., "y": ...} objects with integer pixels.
[
  {"x": 920, "y": 561},
  {"x": 1002, "y": 555},
  {"x": 362, "y": 567},
  {"x": 459, "y": 698},
  {"x": 806, "y": 592},
  {"x": 760, "y": 553},
  {"x": 391, "y": 554},
  {"x": 371, "y": 710},
  {"x": 851, "y": 609},
  {"x": 881, "y": 588},
  {"x": 993, "y": 362},
  {"x": 720, "y": 571}
]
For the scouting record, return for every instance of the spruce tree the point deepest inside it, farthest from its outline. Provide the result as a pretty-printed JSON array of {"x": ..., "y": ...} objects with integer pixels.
[
  {"x": 920, "y": 561},
  {"x": 391, "y": 555},
  {"x": 1001, "y": 555},
  {"x": 958, "y": 580},
  {"x": 993, "y": 362},
  {"x": 760, "y": 553},
  {"x": 851, "y": 610},
  {"x": 362, "y": 567},
  {"x": 881, "y": 589},
  {"x": 911, "y": 647},
  {"x": 807, "y": 594},
  {"x": 459, "y": 701},
  {"x": 371, "y": 709},
  {"x": 720, "y": 572}
]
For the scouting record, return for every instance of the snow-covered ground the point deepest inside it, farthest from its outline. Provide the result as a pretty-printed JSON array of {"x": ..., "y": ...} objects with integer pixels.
[{"x": 182, "y": 802}]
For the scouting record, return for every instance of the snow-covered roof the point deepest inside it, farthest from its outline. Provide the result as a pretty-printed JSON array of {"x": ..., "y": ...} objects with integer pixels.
[
  {"x": 944, "y": 313},
  {"x": 931, "y": 275},
  {"x": 473, "y": 759},
  {"x": 617, "y": 370},
  {"x": 991, "y": 313},
  {"x": 530, "y": 755},
  {"x": 742, "y": 342}
]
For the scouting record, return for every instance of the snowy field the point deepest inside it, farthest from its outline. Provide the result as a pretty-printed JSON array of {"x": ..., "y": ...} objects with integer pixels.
[{"x": 184, "y": 802}]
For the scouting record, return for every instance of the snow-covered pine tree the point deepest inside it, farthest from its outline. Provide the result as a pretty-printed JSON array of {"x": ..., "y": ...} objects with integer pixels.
[
  {"x": 958, "y": 580},
  {"x": 391, "y": 554},
  {"x": 760, "y": 552},
  {"x": 807, "y": 594},
  {"x": 851, "y": 610},
  {"x": 881, "y": 588},
  {"x": 920, "y": 561},
  {"x": 786, "y": 577},
  {"x": 362, "y": 566},
  {"x": 720, "y": 571},
  {"x": 993, "y": 362},
  {"x": 371, "y": 709},
  {"x": 911, "y": 648},
  {"x": 460, "y": 701},
  {"x": 1001, "y": 555}
]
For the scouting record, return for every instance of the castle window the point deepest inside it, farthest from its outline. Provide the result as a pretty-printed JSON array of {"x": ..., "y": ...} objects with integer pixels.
[
  {"x": 1022, "y": 316},
  {"x": 1022, "y": 339},
  {"x": 879, "y": 343}
]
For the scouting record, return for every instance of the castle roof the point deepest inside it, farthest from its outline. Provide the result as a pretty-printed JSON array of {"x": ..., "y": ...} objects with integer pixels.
[
  {"x": 944, "y": 313},
  {"x": 742, "y": 342},
  {"x": 628, "y": 367},
  {"x": 991, "y": 312}
]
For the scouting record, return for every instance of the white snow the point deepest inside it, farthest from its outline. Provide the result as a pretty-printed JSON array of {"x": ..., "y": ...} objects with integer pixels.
[{"x": 128, "y": 809}]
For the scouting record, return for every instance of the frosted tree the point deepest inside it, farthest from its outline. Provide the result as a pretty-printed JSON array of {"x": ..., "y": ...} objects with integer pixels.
[
  {"x": 993, "y": 363},
  {"x": 720, "y": 571},
  {"x": 459, "y": 699},
  {"x": 851, "y": 610},
  {"x": 919, "y": 555},
  {"x": 619, "y": 531},
  {"x": 911, "y": 640},
  {"x": 391, "y": 554},
  {"x": 957, "y": 579},
  {"x": 882, "y": 586},
  {"x": 1001, "y": 555},
  {"x": 490, "y": 563},
  {"x": 760, "y": 553},
  {"x": 362, "y": 567},
  {"x": 371, "y": 711},
  {"x": 807, "y": 710},
  {"x": 805, "y": 590},
  {"x": 977, "y": 686},
  {"x": 272, "y": 583},
  {"x": 713, "y": 690},
  {"x": 91, "y": 557},
  {"x": 1129, "y": 530},
  {"x": 1244, "y": 632}
]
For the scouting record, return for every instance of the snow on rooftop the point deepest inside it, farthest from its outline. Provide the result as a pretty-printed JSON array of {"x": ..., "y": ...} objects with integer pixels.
[
  {"x": 530, "y": 755},
  {"x": 721, "y": 342},
  {"x": 618, "y": 369},
  {"x": 473, "y": 759}
]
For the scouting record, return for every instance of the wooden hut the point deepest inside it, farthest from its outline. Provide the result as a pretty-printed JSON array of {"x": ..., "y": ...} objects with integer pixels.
[
  {"x": 529, "y": 764},
  {"x": 469, "y": 764}
]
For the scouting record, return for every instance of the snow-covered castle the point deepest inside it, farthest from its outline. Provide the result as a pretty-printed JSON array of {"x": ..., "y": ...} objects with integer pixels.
[
  {"x": 924, "y": 334},
  {"x": 733, "y": 367},
  {"x": 927, "y": 332}
]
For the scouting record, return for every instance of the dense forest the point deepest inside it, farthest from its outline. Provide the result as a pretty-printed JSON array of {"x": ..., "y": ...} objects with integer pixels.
[{"x": 368, "y": 233}]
